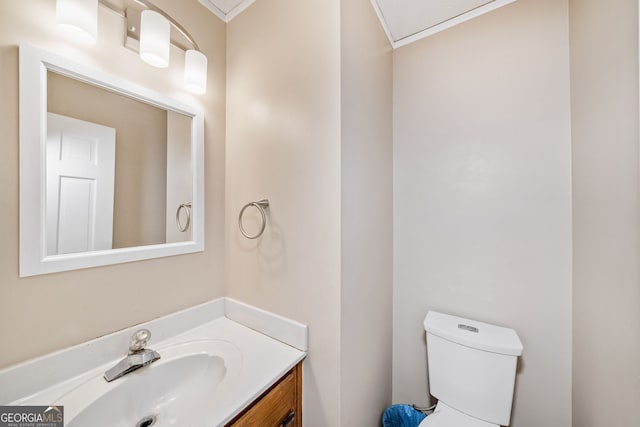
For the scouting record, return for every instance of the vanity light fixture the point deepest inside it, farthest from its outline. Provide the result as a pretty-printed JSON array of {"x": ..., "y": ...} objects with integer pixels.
[
  {"x": 155, "y": 38},
  {"x": 195, "y": 71},
  {"x": 148, "y": 31},
  {"x": 79, "y": 18}
]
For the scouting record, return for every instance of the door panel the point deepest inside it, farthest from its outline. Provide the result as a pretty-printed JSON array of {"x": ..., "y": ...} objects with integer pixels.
[{"x": 80, "y": 185}]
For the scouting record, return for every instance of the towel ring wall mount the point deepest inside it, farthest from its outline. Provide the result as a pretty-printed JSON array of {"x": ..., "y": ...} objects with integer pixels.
[
  {"x": 261, "y": 205},
  {"x": 187, "y": 208}
]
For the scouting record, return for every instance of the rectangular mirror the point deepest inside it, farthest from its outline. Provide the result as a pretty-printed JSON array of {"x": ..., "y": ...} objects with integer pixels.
[{"x": 110, "y": 171}]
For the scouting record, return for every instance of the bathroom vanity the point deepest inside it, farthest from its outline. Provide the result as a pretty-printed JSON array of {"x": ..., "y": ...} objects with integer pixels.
[
  {"x": 223, "y": 363},
  {"x": 280, "y": 406}
]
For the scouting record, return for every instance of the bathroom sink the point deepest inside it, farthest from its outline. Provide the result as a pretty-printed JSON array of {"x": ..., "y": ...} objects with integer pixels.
[{"x": 180, "y": 389}]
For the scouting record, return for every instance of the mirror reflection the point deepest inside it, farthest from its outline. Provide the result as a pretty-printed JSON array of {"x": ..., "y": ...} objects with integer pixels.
[{"x": 117, "y": 170}]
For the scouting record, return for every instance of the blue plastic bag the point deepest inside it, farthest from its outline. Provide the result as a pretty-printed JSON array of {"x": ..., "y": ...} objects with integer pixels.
[{"x": 402, "y": 416}]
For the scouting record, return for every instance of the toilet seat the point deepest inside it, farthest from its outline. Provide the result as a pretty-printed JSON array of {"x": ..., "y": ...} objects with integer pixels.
[{"x": 445, "y": 416}]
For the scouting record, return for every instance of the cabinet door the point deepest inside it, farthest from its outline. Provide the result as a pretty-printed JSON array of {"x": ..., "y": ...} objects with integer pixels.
[{"x": 279, "y": 407}]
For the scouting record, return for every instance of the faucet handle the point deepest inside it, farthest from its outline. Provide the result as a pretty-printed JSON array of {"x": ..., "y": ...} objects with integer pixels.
[{"x": 139, "y": 340}]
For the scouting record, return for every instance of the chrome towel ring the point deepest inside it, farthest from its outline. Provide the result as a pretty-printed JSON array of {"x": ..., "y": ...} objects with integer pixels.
[
  {"x": 261, "y": 205},
  {"x": 187, "y": 209}
]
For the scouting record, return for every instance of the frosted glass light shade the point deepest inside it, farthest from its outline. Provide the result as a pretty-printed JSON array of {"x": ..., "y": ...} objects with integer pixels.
[
  {"x": 195, "y": 71},
  {"x": 79, "y": 18},
  {"x": 155, "y": 33}
]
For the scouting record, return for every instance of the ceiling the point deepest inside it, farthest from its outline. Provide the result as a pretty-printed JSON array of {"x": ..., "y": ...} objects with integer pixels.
[
  {"x": 404, "y": 21},
  {"x": 226, "y": 9}
]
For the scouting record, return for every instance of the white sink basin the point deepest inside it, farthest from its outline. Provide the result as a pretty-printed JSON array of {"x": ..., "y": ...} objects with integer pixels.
[{"x": 180, "y": 389}]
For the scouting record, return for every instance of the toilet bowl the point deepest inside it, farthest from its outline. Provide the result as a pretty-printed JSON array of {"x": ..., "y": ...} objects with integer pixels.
[
  {"x": 472, "y": 370},
  {"x": 444, "y": 416}
]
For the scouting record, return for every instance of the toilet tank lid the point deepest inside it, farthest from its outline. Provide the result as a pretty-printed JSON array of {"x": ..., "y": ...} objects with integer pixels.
[{"x": 479, "y": 335}]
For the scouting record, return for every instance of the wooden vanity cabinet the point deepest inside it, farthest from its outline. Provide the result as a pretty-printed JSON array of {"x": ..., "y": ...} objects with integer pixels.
[{"x": 279, "y": 406}]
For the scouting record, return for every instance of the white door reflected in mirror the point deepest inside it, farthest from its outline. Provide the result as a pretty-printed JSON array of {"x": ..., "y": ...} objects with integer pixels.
[{"x": 80, "y": 175}]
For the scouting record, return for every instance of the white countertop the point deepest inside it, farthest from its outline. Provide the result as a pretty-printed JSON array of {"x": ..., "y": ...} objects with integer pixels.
[{"x": 264, "y": 359}]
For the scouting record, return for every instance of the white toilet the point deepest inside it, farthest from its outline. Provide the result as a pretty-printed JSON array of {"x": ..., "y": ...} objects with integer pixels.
[{"x": 472, "y": 371}]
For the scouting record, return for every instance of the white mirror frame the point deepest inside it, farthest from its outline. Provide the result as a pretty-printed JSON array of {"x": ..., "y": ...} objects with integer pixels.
[{"x": 34, "y": 64}]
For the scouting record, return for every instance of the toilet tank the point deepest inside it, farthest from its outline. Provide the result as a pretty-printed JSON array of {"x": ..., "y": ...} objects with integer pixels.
[{"x": 472, "y": 366}]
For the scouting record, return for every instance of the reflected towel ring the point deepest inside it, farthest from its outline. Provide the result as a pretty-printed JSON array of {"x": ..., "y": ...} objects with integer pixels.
[
  {"x": 187, "y": 209},
  {"x": 261, "y": 205}
]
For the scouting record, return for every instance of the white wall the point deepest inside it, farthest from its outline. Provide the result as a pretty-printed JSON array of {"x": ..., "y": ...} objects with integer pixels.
[
  {"x": 606, "y": 294},
  {"x": 367, "y": 221},
  {"x": 482, "y": 203},
  {"x": 44, "y": 313},
  {"x": 283, "y": 143}
]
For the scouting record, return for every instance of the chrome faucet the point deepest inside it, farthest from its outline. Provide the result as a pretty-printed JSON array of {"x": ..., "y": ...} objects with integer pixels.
[{"x": 138, "y": 356}]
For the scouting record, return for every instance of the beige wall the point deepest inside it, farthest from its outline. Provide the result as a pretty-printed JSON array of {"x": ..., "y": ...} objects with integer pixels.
[
  {"x": 367, "y": 221},
  {"x": 482, "y": 202},
  {"x": 44, "y": 313},
  {"x": 139, "y": 206},
  {"x": 481, "y": 191},
  {"x": 308, "y": 132},
  {"x": 283, "y": 144},
  {"x": 606, "y": 294}
]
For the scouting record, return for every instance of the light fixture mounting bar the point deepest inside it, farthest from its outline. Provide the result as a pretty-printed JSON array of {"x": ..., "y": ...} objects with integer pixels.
[
  {"x": 173, "y": 22},
  {"x": 132, "y": 18}
]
